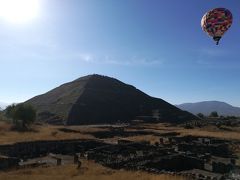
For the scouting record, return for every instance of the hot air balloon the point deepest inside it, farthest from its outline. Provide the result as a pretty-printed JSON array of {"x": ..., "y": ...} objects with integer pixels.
[{"x": 216, "y": 22}]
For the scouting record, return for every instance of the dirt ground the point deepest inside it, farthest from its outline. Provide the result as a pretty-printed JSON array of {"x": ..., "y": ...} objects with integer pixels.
[{"x": 88, "y": 171}]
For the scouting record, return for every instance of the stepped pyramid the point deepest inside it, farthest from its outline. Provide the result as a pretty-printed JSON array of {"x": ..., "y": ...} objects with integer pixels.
[{"x": 96, "y": 99}]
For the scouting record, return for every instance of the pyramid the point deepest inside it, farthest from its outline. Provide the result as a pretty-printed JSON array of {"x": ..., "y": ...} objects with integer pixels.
[{"x": 96, "y": 99}]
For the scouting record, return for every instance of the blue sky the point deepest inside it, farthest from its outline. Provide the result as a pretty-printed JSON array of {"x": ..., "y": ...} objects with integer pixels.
[{"x": 156, "y": 45}]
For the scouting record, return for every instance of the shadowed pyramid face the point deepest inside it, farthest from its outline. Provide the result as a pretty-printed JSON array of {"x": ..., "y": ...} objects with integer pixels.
[{"x": 96, "y": 99}]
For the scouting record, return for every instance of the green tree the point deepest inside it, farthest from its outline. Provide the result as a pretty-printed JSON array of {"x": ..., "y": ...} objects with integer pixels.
[
  {"x": 9, "y": 111},
  {"x": 23, "y": 115},
  {"x": 213, "y": 114}
]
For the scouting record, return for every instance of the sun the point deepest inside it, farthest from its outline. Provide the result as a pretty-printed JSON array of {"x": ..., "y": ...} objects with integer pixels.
[{"x": 19, "y": 11}]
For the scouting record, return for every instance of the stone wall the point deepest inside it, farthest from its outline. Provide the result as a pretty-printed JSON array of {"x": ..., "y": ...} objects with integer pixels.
[
  {"x": 221, "y": 150},
  {"x": 33, "y": 149},
  {"x": 177, "y": 163},
  {"x": 6, "y": 162},
  {"x": 219, "y": 167}
]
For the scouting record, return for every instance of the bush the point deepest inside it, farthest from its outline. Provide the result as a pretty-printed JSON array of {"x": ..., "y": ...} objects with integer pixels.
[
  {"x": 189, "y": 126},
  {"x": 23, "y": 115},
  {"x": 213, "y": 114},
  {"x": 200, "y": 115},
  {"x": 9, "y": 111}
]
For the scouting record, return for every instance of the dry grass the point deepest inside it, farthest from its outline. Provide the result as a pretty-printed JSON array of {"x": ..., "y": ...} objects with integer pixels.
[
  {"x": 89, "y": 171},
  {"x": 43, "y": 132},
  {"x": 49, "y": 132},
  {"x": 209, "y": 131},
  {"x": 217, "y": 134},
  {"x": 152, "y": 139}
]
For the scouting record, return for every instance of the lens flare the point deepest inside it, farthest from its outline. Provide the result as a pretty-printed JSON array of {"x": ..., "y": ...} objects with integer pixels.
[{"x": 19, "y": 11}]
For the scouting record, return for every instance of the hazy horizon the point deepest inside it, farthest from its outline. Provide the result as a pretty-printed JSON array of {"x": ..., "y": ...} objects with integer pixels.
[{"x": 157, "y": 46}]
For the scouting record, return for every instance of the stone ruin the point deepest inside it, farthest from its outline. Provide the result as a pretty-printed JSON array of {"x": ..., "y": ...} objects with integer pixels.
[
  {"x": 192, "y": 156},
  {"x": 7, "y": 162},
  {"x": 173, "y": 154}
]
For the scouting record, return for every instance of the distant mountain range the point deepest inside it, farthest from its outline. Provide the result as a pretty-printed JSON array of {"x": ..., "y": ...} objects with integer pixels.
[
  {"x": 97, "y": 99},
  {"x": 206, "y": 107}
]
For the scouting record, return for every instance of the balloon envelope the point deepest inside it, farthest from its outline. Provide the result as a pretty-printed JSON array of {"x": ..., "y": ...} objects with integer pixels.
[{"x": 216, "y": 22}]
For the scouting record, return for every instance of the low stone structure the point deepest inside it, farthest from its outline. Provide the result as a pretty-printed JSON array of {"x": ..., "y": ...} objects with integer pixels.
[
  {"x": 220, "y": 167},
  {"x": 180, "y": 154},
  {"x": 34, "y": 149},
  {"x": 8, "y": 162}
]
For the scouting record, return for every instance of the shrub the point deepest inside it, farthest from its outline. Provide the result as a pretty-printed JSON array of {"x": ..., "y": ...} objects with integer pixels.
[
  {"x": 9, "y": 110},
  {"x": 200, "y": 115},
  {"x": 213, "y": 114}
]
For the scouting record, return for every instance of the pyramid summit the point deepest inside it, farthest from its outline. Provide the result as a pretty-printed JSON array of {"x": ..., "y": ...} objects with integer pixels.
[{"x": 97, "y": 99}]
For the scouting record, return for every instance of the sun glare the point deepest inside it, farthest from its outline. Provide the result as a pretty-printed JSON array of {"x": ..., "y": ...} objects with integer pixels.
[{"x": 19, "y": 11}]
